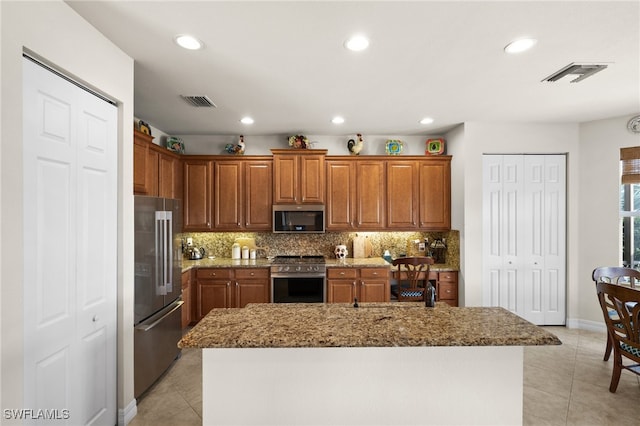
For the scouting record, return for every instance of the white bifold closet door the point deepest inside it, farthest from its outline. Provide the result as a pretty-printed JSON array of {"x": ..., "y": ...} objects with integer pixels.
[
  {"x": 70, "y": 251},
  {"x": 524, "y": 236}
]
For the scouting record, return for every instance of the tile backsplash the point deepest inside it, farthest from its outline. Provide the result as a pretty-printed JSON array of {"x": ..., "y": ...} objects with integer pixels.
[{"x": 219, "y": 243}]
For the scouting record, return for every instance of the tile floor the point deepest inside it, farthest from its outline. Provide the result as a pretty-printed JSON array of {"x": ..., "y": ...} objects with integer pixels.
[{"x": 563, "y": 385}]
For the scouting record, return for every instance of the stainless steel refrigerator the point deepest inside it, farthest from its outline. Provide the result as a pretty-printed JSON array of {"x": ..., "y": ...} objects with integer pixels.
[{"x": 158, "y": 288}]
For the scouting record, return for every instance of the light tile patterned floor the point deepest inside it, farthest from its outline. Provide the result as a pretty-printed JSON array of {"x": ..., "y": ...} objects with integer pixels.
[{"x": 563, "y": 385}]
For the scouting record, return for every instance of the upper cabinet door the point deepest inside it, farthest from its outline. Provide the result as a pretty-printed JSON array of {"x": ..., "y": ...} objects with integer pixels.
[
  {"x": 197, "y": 195},
  {"x": 286, "y": 179},
  {"x": 258, "y": 196},
  {"x": 311, "y": 179},
  {"x": 298, "y": 176},
  {"x": 370, "y": 194},
  {"x": 402, "y": 194},
  {"x": 228, "y": 197},
  {"x": 435, "y": 193},
  {"x": 341, "y": 195}
]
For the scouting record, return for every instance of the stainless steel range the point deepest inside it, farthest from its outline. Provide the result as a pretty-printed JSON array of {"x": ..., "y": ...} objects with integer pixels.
[{"x": 298, "y": 279}]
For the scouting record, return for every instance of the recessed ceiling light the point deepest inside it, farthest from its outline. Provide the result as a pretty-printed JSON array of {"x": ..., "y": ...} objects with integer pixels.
[
  {"x": 520, "y": 45},
  {"x": 426, "y": 120},
  {"x": 337, "y": 120},
  {"x": 357, "y": 43},
  {"x": 246, "y": 120},
  {"x": 188, "y": 42}
]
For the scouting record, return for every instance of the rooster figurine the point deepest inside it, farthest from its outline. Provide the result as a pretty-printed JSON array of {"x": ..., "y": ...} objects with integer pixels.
[
  {"x": 236, "y": 149},
  {"x": 355, "y": 147}
]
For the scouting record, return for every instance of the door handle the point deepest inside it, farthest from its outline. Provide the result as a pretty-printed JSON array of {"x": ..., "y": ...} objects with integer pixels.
[{"x": 147, "y": 327}]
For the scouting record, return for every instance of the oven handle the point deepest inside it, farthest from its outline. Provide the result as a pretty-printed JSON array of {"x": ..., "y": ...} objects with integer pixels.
[{"x": 304, "y": 275}]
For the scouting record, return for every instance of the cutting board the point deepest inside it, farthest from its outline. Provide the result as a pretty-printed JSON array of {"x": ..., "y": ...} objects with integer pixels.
[
  {"x": 368, "y": 247},
  {"x": 358, "y": 247},
  {"x": 362, "y": 247}
]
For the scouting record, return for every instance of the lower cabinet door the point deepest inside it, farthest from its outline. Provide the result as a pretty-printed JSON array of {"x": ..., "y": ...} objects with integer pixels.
[
  {"x": 374, "y": 291},
  {"x": 341, "y": 291},
  {"x": 213, "y": 294}
]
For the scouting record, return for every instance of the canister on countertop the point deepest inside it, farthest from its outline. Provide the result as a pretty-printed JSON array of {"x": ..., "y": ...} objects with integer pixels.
[
  {"x": 252, "y": 254},
  {"x": 235, "y": 251},
  {"x": 245, "y": 252}
]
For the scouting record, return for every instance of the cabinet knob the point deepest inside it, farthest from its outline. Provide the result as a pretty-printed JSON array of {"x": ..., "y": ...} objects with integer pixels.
[
  {"x": 342, "y": 273},
  {"x": 252, "y": 274},
  {"x": 375, "y": 273}
]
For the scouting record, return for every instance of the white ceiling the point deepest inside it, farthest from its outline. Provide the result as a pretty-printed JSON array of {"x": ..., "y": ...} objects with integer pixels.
[{"x": 284, "y": 64}]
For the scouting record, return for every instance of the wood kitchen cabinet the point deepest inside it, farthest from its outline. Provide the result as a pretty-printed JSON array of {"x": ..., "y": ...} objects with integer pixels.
[
  {"x": 251, "y": 286},
  {"x": 402, "y": 194},
  {"x": 156, "y": 171},
  {"x": 227, "y": 194},
  {"x": 378, "y": 193},
  {"x": 230, "y": 288},
  {"x": 447, "y": 287},
  {"x": 356, "y": 196},
  {"x": 298, "y": 176},
  {"x": 365, "y": 284},
  {"x": 434, "y": 184},
  {"x": 198, "y": 195},
  {"x": 187, "y": 308},
  {"x": 242, "y": 195}
]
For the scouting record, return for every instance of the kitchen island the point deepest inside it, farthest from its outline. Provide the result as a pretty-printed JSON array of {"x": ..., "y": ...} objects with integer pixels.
[{"x": 393, "y": 363}]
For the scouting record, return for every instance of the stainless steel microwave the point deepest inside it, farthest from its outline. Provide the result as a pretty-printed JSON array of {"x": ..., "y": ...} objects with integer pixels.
[{"x": 298, "y": 218}]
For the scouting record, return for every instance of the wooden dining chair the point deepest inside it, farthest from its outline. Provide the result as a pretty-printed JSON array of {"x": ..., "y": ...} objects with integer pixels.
[
  {"x": 623, "y": 327},
  {"x": 618, "y": 275},
  {"x": 416, "y": 270}
]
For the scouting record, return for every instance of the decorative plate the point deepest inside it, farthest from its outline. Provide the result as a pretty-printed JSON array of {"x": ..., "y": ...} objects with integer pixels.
[
  {"x": 634, "y": 124},
  {"x": 394, "y": 147},
  {"x": 435, "y": 146}
]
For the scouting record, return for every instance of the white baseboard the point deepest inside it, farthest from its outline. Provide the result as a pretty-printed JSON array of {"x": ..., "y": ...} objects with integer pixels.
[
  {"x": 127, "y": 414},
  {"x": 587, "y": 325}
]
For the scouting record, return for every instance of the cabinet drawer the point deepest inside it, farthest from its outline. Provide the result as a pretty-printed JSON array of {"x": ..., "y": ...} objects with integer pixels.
[
  {"x": 448, "y": 276},
  {"x": 374, "y": 273},
  {"x": 210, "y": 273},
  {"x": 447, "y": 290},
  {"x": 342, "y": 273},
  {"x": 249, "y": 273}
]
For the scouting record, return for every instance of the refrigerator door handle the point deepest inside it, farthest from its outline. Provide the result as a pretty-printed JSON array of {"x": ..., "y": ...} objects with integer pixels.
[
  {"x": 147, "y": 327},
  {"x": 168, "y": 254},
  {"x": 161, "y": 261}
]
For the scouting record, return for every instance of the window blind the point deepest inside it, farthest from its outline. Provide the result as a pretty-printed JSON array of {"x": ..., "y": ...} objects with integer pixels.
[{"x": 630, "y": 158}]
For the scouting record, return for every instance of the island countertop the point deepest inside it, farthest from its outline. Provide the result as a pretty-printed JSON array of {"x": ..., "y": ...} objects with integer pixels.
[{"x": 303, "y": 325}]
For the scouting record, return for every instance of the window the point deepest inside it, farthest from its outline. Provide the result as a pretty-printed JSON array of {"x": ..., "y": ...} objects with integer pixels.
[{"x": 630, "y": 206}]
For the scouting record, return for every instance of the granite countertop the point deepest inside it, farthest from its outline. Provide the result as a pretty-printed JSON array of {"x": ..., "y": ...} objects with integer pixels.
[
  {"x": 303, "y": 325},
  {"x": 225, "y": 262}
]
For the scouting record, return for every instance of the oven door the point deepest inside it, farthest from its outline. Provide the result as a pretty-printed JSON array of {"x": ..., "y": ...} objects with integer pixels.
[{"x": 297, "y": 289}]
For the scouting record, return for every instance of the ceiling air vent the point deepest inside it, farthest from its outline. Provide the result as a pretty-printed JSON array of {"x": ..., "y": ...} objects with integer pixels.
[
  {"x": 199, "y": 101},
  {"x": 582, "y": 71}
]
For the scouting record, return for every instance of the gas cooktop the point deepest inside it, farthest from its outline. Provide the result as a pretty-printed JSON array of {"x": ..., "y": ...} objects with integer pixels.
[{"x": 293, "y": 260}]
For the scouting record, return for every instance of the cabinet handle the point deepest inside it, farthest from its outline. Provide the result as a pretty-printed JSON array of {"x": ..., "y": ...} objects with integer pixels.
[
  {"x": 212, "y": 274},
  {"x": 354, "y": 284},
  {"x": 237, "y": 284},
  {"x": 238, "y": 223},
  {"x": 342, "y": 273},
  {"x": 228, "y": 283}
]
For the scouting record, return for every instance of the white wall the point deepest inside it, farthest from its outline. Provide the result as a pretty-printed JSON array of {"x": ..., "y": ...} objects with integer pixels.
[
  {"x": 598, "y": 239},
  {"x": 55, "y": 32}
]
